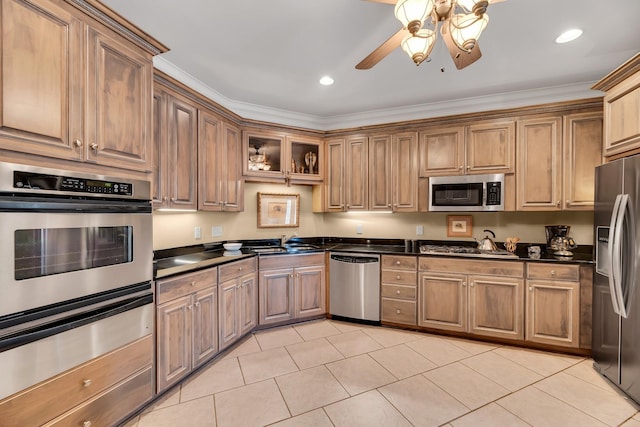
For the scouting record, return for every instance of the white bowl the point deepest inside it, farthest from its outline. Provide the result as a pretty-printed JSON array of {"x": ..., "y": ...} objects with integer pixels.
[{"x": 232, "y": 246}]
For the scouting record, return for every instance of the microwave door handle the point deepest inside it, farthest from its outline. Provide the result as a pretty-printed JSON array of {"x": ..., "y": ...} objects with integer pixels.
[{"x": 612, "y": 248}]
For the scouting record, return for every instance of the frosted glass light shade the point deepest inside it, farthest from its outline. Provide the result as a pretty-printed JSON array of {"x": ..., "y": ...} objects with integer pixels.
[
  {"x": 407, "y": 11},
  {"x": 419, "y": 47},
  {"x": 466, "y": 29}
]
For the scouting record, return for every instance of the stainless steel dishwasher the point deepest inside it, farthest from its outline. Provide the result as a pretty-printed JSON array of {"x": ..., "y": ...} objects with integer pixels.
[{"x": 354, "y": 287}]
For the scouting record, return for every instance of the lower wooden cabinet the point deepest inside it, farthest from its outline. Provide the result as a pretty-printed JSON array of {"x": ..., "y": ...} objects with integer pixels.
[
  {"x": 187, "y": 324},
  {"x": 398, "y": 289},
  {"x": 485, "y": 298},
  {"x": 291, "y": 287},
  {"x": 238, "y": 308},
  {"x": 553, "y": 304}
]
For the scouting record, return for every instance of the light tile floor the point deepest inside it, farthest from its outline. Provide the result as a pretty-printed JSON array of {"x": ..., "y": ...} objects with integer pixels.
[{"x": 327, "y": 373}]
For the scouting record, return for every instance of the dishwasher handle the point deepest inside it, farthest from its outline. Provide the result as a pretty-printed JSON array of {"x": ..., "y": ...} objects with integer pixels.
[{"x": 355, "y": 259}]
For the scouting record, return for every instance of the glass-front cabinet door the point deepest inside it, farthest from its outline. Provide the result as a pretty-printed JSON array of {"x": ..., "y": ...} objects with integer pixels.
[{"x": 274, "y": 157}]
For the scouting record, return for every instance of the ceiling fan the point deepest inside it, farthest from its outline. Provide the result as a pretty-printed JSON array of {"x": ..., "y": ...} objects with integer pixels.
[{"x": 460, "y": 21}]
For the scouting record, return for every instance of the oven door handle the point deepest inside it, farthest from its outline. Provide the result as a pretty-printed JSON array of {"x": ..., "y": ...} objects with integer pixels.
[
  {"x": 69, "y": 205},
  {"x": 30, "y": 335}
]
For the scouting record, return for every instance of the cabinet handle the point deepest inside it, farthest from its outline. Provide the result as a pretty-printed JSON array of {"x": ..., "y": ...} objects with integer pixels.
[
  {"x": 86, "y": 423},
  {"x": 77, "y": 143},
  {"x": 397, "y": 277},
  {"x": 397, "y": 311},
  {"x": 398, "y": 292},
  {"x": 94, "y": 146},
  {"x": 86, "y": 383}
]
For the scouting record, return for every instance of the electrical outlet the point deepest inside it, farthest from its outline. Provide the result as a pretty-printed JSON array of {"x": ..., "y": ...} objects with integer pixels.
[
  {"x": 358, "y": 228},
  {"x": 419, "y": 230},
  {"x": 216, "y": 231},
  {"x": 197, "y": 233}
]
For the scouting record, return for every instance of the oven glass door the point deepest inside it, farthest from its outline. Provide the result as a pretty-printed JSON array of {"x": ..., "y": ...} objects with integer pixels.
[
  {"x": 457, "y": 195},
  {"x": 47, "y": 258}
]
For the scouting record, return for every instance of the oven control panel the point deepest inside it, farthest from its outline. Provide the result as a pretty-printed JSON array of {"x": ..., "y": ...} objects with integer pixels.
[{"x": 37, "y": 181}]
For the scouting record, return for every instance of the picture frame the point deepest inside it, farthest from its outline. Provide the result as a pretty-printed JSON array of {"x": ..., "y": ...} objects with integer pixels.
[
  {"x": 278, "y": 210},
  {"x": 459, "y": 226}
]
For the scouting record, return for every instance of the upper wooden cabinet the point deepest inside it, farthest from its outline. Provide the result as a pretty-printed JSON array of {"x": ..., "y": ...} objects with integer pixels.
[
  {"x": 622, "y": 109},
  {"x": 475, "y": 149},
  {"x": 77, "y": 90},
  {"x": 404, "y": 171},
  {"x": 379, "y": 173},
  {"x": 557, "y": 157},
  {"x": 278, "y": 157}
]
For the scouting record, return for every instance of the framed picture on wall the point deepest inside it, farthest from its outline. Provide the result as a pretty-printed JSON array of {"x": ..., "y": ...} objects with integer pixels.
[
  {"x": 278, "y": 210},
  {"x": 459, "y": 225}
]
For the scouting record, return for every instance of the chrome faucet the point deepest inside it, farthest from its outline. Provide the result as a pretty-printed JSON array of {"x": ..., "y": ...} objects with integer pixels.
[{"x": 284, "y": 239}]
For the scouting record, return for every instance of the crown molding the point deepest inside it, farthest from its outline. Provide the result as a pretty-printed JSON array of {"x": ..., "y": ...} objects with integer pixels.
[{"x": 255, "y": 112}]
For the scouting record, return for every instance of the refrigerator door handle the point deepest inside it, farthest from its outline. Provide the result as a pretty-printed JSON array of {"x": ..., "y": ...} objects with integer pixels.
[{"x": 615, "y": 253}]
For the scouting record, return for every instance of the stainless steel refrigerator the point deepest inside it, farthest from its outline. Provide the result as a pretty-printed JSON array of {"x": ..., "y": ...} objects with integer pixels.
[{"x": 616, "y": 298}]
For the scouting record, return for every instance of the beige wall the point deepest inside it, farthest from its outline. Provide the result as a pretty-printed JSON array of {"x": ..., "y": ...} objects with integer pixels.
[{"x": 177, "y": 229}]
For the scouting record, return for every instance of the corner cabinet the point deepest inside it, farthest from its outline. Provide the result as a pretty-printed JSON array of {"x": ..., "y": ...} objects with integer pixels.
[
  {"x": 291, "y": 287},
  {"x": 622, "y": 109},
  {"x": 78, "y": 90},
  {"x": 279, "y": 157}
]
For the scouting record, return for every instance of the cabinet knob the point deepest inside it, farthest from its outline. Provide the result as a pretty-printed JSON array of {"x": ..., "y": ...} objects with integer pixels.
[
  {"x": 398, "y": 292},
  {"x": 165, "y": 198},
  {"x": 468, "y": 167},
  {"x": 461, "y": 167},
  {"x": 553, "y": 272},
  {"x": 173, "y": 199},
  {"x": 86, "y": 383},
  {"x": 464, "y": 284},
  {"x": 193, "y": 283},
  {"x": 397, "y": 277},
  {"x": 398, "y": 311},
  {"x": 398, "y": 263},
  {"x": 239, "y": 268},
  {"x": 530, "y": 288},
  {"x": 197, "y": 304},
  {"x": 190, "y": 307},
  {"x": 558, "y": 204},
  {"x": 471, "y": 284},
  {"x": 77, "y": 143},
  {"x": 86, "y": 423},
  {"x": 94, "y": 146},
  {"x": 568, "y": 203}
]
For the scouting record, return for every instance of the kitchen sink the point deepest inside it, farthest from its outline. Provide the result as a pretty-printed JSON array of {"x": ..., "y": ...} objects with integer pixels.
[
  {"x": 289, "y": 248},
  {"x": 299, "y": 247},
  {"x": 268, "y": 249}
]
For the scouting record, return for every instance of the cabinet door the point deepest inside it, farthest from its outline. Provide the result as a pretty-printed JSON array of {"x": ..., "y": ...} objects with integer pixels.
[
  {"x": 210, "y": 162},
  {"x": 174, "y": 341},
  {"x": 405, "y": 172},
  {"x": 357, "y": 173},
  {"x": 248, "y": 310},
  {"x": 582, "y": 153},
  {"x": 380, "y": 173},
  {"x": 229, "y": 328},
  {"x": 304, "y": 159},
  {"x": 622, "y": 117},
  {"x": 264, "y": 156},
  {"x": 232, "y": 181},
  {"x": 335, "y": 175},
  {"x": 310, "y": 291},
  {"x": 553, "y": 312},
  {"x": 159, "y": 172},
  {"x": 491, "y": 148},
  {"x": 539, "y": 173},
  {"x": 496, "y": 306},
  {"x": 442, "y": 301},
  {"x": 276, "y": 289},
  {"x": 442, "y": 152},
  {"x": 182, "y": 118},
  {"x": 205, "y": 325},
  {"x": 118, "y": 107},
  {"x": 41, "y": 96}
]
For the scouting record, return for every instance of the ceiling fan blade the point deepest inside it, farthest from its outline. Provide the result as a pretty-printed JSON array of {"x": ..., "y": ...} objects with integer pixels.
[
  {"x": 383, "y": 50},
  {"x": 460, "y": 57},
  {"x": 390, "y": 1}
]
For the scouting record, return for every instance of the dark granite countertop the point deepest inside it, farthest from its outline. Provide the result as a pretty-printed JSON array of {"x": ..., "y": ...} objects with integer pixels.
[{"x": 168, "y": 262}]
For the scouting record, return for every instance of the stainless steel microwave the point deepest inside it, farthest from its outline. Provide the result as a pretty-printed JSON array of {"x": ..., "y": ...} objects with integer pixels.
[{"x": 466, "y": 193}]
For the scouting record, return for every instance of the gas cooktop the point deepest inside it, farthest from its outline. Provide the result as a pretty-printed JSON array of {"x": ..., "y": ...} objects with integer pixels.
[{"x": 466, "y": 251}]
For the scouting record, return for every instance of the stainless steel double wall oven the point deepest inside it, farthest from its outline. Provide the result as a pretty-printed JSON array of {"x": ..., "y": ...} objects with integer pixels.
[{"x": 76, "y": 266}]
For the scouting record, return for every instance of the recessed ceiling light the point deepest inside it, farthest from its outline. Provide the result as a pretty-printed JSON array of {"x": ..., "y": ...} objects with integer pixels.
[
  {"x": 326, "y": 80},
  {"x": 569, "y": 35}
]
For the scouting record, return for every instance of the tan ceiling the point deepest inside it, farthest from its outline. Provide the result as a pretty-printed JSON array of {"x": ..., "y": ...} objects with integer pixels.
[{"x": 263, "y": 58}]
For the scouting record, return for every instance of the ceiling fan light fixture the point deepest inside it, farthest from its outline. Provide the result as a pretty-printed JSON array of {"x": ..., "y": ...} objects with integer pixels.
[
  {"x": 466, "y": 29},
  {"x": 412, "y": 13},
  {"x": 478, "y": 7},
  {"x": 419, "y": 46}
]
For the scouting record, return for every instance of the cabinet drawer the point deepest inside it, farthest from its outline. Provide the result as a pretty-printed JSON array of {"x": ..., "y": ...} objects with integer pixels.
[
  {"x": 486, "y": 267},
  {"x": 398, "y": 311},
  {"x": 553, "y": 272},
  {"x": 399, "y": 277},
  {"x": 53, "y": 397},
  {"x": 397, "y": 262},
  {"x": 235, "y": 269},
  {"x": 112, "y": 405},
  {"x": 169, "y": 289},
  {"x": 399, "y": 291}
]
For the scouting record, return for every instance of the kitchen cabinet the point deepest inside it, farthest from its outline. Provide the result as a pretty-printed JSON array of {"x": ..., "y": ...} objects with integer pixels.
[
  {"x": 622, "y": 109},
  {"x": 483, "y": 297},
  {"x": 238, "y": 296},
  {"x": 176, "y": 143},
  {"x": 187, "y": 324},
  {"x": 78, "y": 90},
  {"x": 291, "y": 287},
  {"x": 557, "y": 157},
  {"x": 335, "y": 198},
  {"x": 280, "y": 157},
  {"x": 398, "y": 289},
  {"x": 480, "y": 148},
  {"x": 220, "y": 181},
  {"x": 404, "y": 171},
  {"x": 380, "y": 172},
  {"x": 553, "y": 304},
  {"x": 80, "y": 394},
  {"x": 357, "y": 173}
]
